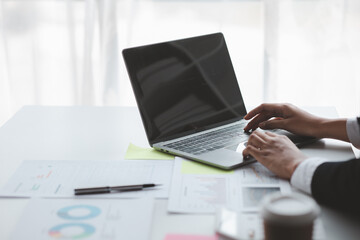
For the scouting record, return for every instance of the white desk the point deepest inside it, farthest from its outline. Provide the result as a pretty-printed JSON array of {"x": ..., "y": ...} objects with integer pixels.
[{"x": 103, "y": 133}]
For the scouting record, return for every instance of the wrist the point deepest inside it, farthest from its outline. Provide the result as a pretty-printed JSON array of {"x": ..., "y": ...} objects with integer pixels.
[
  {"x": 320, "y": 127},
  {"x": 332, "y": 128}
]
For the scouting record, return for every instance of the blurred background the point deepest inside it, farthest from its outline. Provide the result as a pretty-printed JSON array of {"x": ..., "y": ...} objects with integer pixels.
[{"x": 68, "y": 52}]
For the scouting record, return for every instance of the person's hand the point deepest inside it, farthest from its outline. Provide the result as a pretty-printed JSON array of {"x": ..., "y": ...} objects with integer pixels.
[
  {"x": 275, "y": 152},
  {"x": 283, "y": 116}
]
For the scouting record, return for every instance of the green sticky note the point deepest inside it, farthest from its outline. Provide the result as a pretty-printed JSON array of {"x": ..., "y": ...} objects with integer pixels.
[
  {"x": 135, "y": 152},
  {"x": 191, "y": 167}
]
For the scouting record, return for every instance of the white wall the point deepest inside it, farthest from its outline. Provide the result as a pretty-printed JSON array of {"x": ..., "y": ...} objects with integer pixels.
[{"x": 68, "y": 52}]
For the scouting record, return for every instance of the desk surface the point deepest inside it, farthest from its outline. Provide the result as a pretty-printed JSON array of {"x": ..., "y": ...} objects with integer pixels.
[{"x": 104, "y": 133}]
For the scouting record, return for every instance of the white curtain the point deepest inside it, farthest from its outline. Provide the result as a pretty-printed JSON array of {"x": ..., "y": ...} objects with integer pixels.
[
  {"x": 58, "y": 53},
  {"x": 312, "y": 53},
  {"x": 68, "y": 52}
]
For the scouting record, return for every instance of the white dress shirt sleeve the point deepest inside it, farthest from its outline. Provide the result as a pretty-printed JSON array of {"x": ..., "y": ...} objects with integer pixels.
[
  {"x": 303, "y": 174},
  {"x": 353, "y": 132}
]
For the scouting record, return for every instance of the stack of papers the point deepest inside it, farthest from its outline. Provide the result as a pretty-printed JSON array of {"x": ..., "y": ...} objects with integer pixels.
[{"x": 191, "y": 188}]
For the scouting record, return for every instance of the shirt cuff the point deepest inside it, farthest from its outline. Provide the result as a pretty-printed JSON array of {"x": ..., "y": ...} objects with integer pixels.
[
  {"x": 303, "y": 174},
  {"x": 353, "y": 132}
]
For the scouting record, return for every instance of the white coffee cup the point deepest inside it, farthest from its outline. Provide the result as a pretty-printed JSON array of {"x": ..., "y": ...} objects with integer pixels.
[{"x": 288, "y": 216}]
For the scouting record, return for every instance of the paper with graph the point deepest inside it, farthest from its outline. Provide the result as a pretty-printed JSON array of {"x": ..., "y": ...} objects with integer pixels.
[
  {"x": 198, "y": 188},
  {"x": 60, "y": 178},
  {"x": 128, "y": 219}
]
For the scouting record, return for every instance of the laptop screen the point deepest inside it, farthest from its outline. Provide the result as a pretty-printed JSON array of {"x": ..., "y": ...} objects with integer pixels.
[{"x": 184, "y": 86}]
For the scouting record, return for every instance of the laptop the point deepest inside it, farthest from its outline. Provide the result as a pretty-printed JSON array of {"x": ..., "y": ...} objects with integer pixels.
[{"x": 189, "y": 100}]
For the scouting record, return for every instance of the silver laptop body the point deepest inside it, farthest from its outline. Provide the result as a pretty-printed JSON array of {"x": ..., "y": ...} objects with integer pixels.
[{"x": 189, "y": 99}]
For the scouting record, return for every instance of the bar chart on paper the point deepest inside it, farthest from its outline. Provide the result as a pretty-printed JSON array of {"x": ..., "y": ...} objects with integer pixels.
[
  {"x": 200, "y": 189},
  {"x": 208, "y": 192},
  {"x": 60, "y": 178},
  {"x": 85, "y": 219},
  {"x": 203, "y": 189}
]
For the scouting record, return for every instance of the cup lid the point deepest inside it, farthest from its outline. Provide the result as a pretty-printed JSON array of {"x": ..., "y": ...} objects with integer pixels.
[{"x": 291, "y": 208}]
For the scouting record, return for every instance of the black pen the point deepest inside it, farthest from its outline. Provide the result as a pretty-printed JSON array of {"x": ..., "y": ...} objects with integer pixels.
[{"x": 100, "y": 190}]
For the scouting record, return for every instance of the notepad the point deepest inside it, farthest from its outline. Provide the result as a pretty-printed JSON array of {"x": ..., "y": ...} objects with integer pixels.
[{"x": 139, "y": 153}]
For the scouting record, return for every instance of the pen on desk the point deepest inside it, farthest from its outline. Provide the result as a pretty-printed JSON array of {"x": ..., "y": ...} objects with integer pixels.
[{"x": 100, "y": 190}]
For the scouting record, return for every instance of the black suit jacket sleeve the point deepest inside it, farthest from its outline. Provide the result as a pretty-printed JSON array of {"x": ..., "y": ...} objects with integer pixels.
[{"x": 337, "y": 185}]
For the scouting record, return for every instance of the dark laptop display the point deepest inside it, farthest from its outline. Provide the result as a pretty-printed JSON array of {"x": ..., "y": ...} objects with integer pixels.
[{"x": 184, "y": 86}]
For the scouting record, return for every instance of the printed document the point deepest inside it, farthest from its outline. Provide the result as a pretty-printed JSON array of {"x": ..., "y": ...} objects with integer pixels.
[
  {"x": 128, "y": 219},
  {"x": 199, "y": 188},
  {"x": 60, "y": 178}
]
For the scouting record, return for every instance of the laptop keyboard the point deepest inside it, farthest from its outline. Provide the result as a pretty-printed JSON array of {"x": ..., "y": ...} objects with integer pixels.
[{"x": 212, "y": 140}]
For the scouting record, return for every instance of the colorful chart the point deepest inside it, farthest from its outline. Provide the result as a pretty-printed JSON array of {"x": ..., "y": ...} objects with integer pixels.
[
  {"x": 71, "y": 230},
  {"x": 86, "y": 212}
]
